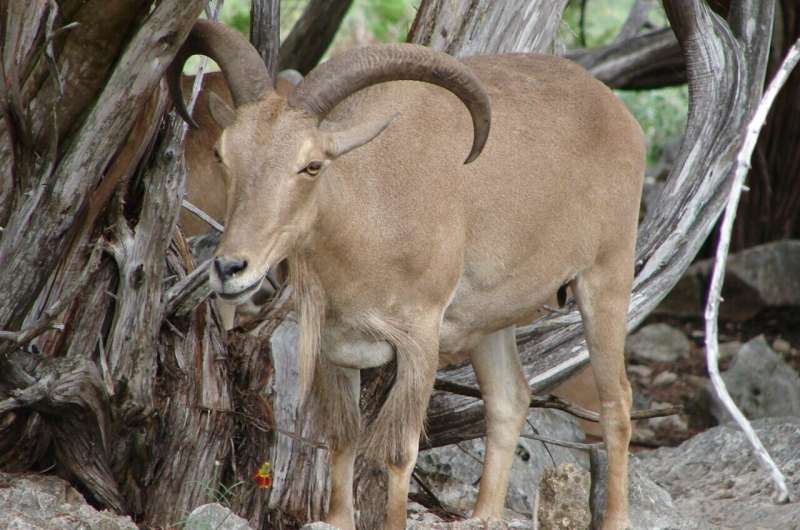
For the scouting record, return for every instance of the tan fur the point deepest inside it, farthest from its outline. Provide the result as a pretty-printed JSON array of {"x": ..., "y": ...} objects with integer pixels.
[
  {"x": 413, "y": 247},
  {"x": 206, "y": 182}
]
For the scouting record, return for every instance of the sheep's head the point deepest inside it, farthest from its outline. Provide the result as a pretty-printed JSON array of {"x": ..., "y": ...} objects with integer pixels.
[{"x": 274, "y": 151}]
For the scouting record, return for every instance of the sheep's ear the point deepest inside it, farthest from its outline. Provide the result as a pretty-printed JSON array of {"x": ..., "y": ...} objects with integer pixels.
[
  {"x": 340, "y": 142},
  {"x": 220, "y": 111},
  {"x": 287, "y": 81}
]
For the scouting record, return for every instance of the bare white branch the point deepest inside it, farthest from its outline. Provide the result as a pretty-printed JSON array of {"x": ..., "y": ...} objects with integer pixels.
[
  {"x": 714, "y": 296},
  {"x": 203, "y": 215}
]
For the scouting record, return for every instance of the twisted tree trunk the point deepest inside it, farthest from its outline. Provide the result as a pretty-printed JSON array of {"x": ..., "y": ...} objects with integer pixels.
[{"x": 145, "y": 411}]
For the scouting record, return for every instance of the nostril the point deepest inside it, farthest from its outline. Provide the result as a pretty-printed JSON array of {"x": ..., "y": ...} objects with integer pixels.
[
  {"x": 227, "y": 267},
  {"x": 237, "y": 266}
]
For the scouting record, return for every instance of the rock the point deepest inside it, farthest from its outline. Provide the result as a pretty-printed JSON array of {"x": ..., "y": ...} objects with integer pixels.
[
  {"x": 453, "y": 471},
  {"x": 564, "y": 501},
  {"x": 676, "y": 423},
  {"x": 564, "y": 498},
  {"x": 215, "y": 517},
  {"x": 728, "y": 349},
  {"x": 473, "y": 524},
  {"x": 761, "y": 383},
  {"x": 781, "y": 346},
  {"x": 44, "y": 502},
  {"x": 756, "y": 278},
  {"x": 665, "y": 379},
  {"x": 658, "y": 342},
  {"x": 420, "y": 517},
  {"x": 640, "y": 371},
  {"x": 714, "y": 476}
]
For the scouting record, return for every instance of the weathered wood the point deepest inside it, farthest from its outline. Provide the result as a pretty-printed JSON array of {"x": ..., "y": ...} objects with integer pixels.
[
  {"x": 478, "y": 27},
  {"x": 650, "y": 60},
  {"x": 32, "y": 240},
  {"x": 265, "y": 31},
  {"x": 300, "y": 484},
  {"x": 638, "y": 19},
  {"x": 771, "y": 209},
  {"x": 312, "y": 34}
]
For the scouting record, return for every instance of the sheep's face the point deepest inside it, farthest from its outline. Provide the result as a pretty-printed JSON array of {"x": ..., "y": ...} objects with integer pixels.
[{"x": 274, "y": 157}]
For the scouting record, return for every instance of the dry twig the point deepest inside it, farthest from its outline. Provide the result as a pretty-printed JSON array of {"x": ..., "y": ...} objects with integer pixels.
[{"x": 553, "y": 402}]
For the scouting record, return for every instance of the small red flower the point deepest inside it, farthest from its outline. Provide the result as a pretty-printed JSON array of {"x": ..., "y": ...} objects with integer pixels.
[{"x": 263, "y": 477}]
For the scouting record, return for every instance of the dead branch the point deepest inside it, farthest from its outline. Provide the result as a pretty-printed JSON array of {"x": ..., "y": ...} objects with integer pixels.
[
  {"x": 265, "y": 26},
  {"x": 561, "y": 443},
  {"x": 715, "y": 290},
  {"x": 312, "y": 34},
  {"x": 649, "y": 60},
  {"x": 554, "y": 402}
]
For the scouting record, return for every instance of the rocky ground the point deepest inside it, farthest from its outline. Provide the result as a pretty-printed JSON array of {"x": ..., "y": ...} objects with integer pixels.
[{"x": 691, "y": 471}]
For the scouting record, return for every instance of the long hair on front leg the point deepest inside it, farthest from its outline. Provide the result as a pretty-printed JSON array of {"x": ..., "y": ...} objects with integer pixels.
[
  {"x": 402, "y": 414},
  {"x": 334, "y": 406}
]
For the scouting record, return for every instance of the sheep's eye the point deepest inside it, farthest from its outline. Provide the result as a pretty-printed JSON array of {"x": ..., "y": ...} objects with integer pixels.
[{"x": 313, "y": 168}]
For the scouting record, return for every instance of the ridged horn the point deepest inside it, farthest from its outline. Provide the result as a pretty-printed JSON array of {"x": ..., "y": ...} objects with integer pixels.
[
  {"x": 331, "y": 82},
  {"x": 242, "y": 66}
]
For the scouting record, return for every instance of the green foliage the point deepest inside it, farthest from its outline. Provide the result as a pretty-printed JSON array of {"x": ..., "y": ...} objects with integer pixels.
[
  {"x": 236, "y": 13},
  {"x": 384, "y": 20},
  {"x": 661, "y": 113},
  {"x": 388, "y": 20}
]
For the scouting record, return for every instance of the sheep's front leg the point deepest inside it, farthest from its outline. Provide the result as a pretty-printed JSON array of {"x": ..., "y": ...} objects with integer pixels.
[
  {"x": 343, "y": 453},
  {"x": 403, "y": 413},
  {"x": 340, "y": 512}
]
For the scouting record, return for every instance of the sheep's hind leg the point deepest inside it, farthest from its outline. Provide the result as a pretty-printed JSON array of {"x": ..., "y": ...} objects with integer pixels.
[
  {"x": 507, "y": 397},
  {"x": 603, "y": 296}
]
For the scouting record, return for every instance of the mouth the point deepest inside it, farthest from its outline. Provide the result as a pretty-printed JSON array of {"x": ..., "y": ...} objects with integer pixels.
[{"x": 240, "y": 295}]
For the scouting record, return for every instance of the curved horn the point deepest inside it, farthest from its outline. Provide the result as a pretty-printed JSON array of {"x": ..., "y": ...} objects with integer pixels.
[
  {"x": 241, "y": 64},
  {"x": 331, "y": 82}
]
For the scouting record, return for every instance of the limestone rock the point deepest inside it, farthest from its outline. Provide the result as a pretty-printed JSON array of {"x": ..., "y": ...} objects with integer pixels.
[
  {"x": 659, "y": 343},
  {"x": 564, "y": 501},
  {"x": 761, "y": 383},
  {"x": 215, "y": 517},
  {"x": 756, "y": 278},
  {"x": 564, "y": 498},
  {"x": 715, "y": 477},
  {"x": 318, "y": 526},
  {"x": 44, "y": 502}
]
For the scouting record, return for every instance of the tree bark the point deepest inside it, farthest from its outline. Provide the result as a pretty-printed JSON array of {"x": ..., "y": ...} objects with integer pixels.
[
  {"x": 771, "y": 209},
  {"x": 479, "y": 27},
  {"x": 312, "y": 34},
  {"x": 138, "y": 407},
  {"x": 265, "y": 32}
]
